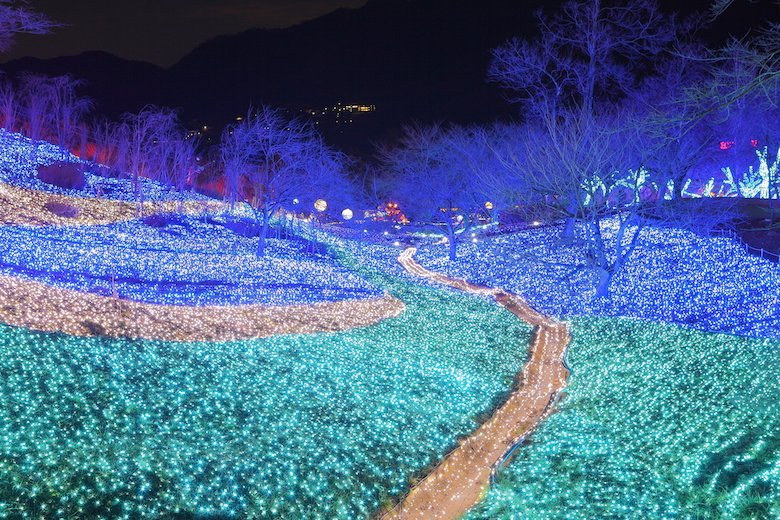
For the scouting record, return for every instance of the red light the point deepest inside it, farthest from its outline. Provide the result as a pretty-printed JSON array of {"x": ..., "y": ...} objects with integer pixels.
[
  {"x": 754, "y": 143},
  {"x": 725, "y": 145}
]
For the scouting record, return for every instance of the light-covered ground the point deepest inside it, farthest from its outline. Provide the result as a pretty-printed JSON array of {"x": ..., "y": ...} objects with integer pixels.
[
  {"x": 189, "y": 263},
  {"x": 674, "y": 276},
  {"x": 19, "y": 159}
]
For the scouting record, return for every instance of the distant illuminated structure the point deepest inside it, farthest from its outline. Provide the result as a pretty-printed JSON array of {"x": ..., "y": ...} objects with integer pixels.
[{"x": 339, "y": 113}]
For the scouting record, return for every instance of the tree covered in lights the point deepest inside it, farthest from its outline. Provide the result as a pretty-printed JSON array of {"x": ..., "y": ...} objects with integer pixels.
[
  {"x": 674, "y": 114},
  {"x": 272, "y": 164},
  {"x": 149, "y": 145},
  {"x": 434, "y": 180},
  {"x": 45, "y": 108},
  {"x": 21, "y": 19},
  {"x": 572, "y": 81},
  {"x": 746, "y": 85}
]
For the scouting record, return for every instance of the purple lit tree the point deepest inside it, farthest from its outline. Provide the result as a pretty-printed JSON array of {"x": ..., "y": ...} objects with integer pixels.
[
  {"x": 51, "y": 109},
  {"x": 143, "y": 143},
  {"x": 274, "y": 164},
  {"x": 9, "y": 105},
  {"x": 148, "y": 145},
  {"x": 17, "y": 19},
  {"x": 434, "y": 182}
]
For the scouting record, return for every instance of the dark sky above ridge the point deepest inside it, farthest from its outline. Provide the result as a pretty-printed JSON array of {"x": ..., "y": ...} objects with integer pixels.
[
  {"x": 158, "y": 31},
  {"x": 163, "y": 31}
]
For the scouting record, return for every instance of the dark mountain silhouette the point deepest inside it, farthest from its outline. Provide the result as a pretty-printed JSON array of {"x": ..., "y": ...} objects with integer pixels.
[
  {"x": 415, "y": 60},
  {"x": 116, "y": 85}
]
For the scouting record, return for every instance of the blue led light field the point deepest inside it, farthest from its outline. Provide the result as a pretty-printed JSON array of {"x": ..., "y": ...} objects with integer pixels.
[
  {"x": 194, "y": 263},
  {"x": 674, "y": 276},
  {"x": 310, "y": 426},
  {"x": 659, "y": 422}
]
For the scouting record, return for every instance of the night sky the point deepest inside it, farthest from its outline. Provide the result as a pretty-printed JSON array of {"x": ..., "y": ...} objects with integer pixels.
[
  {"x": 163, "y": 31},
  {"x": 158, "y": 31}
]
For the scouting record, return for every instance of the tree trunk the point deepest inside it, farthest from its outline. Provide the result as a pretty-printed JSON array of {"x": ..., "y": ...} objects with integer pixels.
[
  {"x": 261, "y": 239},
  {"x": 451, "y": 238},
  {"x": 263, "y": 233},
  {"x": 453, "y": 249},
  {"x": 603, "y": 283}
]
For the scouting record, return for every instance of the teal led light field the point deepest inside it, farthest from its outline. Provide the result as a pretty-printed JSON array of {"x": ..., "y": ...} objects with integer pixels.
[
  {"x": 306, "y": 426},
  {"x": 659, "y": 422}
]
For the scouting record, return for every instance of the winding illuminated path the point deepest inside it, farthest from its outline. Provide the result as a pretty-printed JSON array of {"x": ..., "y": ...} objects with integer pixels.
[{"x": 460, "y": 481}]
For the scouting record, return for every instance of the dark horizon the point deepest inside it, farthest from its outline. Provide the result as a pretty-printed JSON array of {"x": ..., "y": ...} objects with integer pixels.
[{"x": 161, "y": 32}]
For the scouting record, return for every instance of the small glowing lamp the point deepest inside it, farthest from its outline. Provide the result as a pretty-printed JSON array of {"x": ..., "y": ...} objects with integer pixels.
[
  {"x": 346, "y": 214},
  {"x": 320, "y": 205}
]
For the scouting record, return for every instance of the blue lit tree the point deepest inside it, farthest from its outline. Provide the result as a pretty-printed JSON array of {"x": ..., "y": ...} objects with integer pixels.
[
  {"x": 434, "y": 181},
  {"x": 746, "y": 85},
  {"x": 588, "y": 54},
  {"x": 571, "y": 81},
  {"x": 674, "y": 112},
  {"x": 21, "y": 19},
  {"x": 274, "y": 164}
]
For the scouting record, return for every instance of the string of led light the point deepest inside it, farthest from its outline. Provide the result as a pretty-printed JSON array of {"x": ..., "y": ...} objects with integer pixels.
[
  {"x": 659, "y": 422},
  {"x": 25, "y": 206},
  {"x": 309, "y": 426}
]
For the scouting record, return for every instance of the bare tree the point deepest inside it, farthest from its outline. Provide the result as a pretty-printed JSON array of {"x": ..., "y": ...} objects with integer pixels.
[
  {"x": 36, "y": 103},
  {"x": 601, "y": 206},
  {"x": 144, "y": 144},
  {"x": 68, "y": 109},
  {"x": 434, "y": 182},
  {"x": 9, "y": 105},
  {"x": 16, "y": 19},
  {"x": 271, "y": 164},
  {"x": 673, "y": 111},
  {"x": 588, "y": 53},
  {"x": 571, "y": 81},
  {"x": 51, "y": 108}
]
